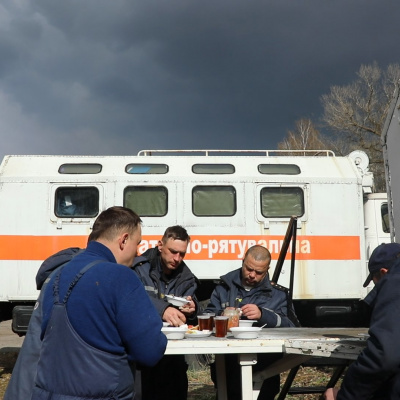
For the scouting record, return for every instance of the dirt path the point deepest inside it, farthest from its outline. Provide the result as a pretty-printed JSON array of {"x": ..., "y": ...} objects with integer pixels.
[{"x": 7, "y": 337}]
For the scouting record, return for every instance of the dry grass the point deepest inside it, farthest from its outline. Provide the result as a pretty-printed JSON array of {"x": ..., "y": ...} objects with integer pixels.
[
  {"x": 5, "y": 375},
  {"x": 200, "y": 384},
  {"x": 7, "y": 361},
  {"x": 309, "y": 376}
]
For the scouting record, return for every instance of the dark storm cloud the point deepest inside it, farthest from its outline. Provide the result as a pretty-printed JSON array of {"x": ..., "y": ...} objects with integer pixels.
[{"x": 101, "y": 77}]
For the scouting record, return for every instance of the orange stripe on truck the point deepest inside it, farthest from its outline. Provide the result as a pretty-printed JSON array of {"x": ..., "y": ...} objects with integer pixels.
[{"x": 202, "y": 247}]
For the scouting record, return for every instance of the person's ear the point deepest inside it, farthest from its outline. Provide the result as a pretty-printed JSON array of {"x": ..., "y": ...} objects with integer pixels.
[
  {"x": 122, "y": 240},
  {"x": 383, "y": 271}
]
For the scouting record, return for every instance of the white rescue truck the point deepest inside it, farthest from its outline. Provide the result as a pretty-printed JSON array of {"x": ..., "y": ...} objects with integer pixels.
[{"x": 227, "y": 200}]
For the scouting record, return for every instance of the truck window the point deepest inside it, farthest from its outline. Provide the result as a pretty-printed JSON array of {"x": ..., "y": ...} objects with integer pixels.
[
  {"x": 282, "y": 169},
  {"x": 385, "y": 218},
  {"x": 76, "y": 202},
  {"x": 213, "y": 169},
  {"x": 214, "y": 201},
  {"x": 147, "y": 201},
  {"x": 281, "y": 202},
  {"x": 146, "y": 169},
  {"x": 81, "y": 168}
]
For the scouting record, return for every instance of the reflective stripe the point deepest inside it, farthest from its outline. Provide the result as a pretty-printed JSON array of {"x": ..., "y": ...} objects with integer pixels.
[{"x": 219, "y": 247}]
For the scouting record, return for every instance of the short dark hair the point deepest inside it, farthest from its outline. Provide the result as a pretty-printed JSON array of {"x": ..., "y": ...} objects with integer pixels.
[
  {"x": 112, "y": 221},
  {"x": 176, "y": 232},
  {"x": 259, "y": 253}
]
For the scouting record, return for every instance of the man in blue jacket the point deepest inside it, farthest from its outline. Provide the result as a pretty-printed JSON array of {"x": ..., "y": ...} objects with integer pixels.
[
  {"x": 250, "y": 289},
  {"x": 163, "y": 272},
  {"x": 376, "y": 372},
  {"x": 22, "y": 380},
  {"x": 97, "y": 318}
]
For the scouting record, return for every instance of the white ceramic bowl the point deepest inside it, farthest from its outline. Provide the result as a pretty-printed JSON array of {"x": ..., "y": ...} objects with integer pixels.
[
  {"x": 176, "y": 301},
  {"x": 245, "y": 332},
  {"x": 172, "y": 332},
  {"x": 246, "y": 322}
]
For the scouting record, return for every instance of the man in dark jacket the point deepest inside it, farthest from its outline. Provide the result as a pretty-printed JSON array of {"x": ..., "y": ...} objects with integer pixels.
[
  {"x": 250, "y": 289},
  {"x": 163, "y": 272},
  {"x": 376, "y": 372}
]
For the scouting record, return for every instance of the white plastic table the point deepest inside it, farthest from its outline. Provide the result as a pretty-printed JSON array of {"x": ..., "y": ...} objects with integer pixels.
[{"x": 298, "y": 345}]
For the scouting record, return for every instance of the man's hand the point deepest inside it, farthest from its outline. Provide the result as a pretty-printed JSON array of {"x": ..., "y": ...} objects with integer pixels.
[
  {"x": 331, "y": 394},
  {"x": 189, "y": 308},
  {"x": 174, "y": 317},
  {"x": 251, "y": 311}
]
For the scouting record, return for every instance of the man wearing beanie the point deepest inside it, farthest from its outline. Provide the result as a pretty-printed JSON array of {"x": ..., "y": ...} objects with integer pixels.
[{"x": 376, "y": 372}]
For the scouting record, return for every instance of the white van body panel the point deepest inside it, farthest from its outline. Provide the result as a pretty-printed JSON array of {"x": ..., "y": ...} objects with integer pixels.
[{"x": 337, "y": 232}]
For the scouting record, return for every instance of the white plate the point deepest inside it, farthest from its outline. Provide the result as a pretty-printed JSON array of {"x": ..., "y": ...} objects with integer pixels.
[
  {"x": 176, "y": 301},
  {"x": 197, "y": 334}
]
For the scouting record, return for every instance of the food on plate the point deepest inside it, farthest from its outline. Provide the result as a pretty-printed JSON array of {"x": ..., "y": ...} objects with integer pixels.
[
  {"x": 193, "y": 327},
  {"x": 197, "y": 334}
]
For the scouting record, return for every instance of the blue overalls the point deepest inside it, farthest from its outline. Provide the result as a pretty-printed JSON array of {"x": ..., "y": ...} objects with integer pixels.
[{"x": 71, "y": 369}]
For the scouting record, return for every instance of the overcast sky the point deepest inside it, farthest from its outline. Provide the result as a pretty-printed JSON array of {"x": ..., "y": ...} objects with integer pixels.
[{"x": 114, "y": 76}]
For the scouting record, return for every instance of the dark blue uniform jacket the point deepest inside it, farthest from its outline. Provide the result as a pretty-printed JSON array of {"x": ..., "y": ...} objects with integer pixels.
[
  {"x": 271, "y": 301},
  {"x": 376, "y": 372},
  {"x": 181, "y": 283}
]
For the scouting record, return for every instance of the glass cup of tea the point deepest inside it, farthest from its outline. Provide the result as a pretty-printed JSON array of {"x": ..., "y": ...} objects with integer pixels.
[
  {"x": 221, "y": 325},
  {"x": 204, "y": 322}
]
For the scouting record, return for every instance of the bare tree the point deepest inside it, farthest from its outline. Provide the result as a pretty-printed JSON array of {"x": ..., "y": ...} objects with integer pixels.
[
  {"x": 305, "y": 136},
  {"x": 357, "y": 112}
]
